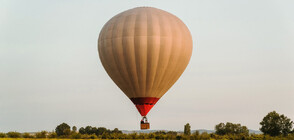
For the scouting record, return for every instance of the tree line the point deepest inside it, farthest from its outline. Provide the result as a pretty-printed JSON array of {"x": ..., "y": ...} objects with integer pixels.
[{"x": 274, "y": 126}]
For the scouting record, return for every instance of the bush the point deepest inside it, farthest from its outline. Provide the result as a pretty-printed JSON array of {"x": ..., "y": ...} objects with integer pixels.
[
  {"x": 133, "y": 135},
  {"x": 179, "y": 137},
  {"x": 3, "y": 135},
  {"x": 115, "y": 130},
  {"x": 76, "y": 136},
  {"x": 204, "y": 136},
  {"x": 42, "y": 134},
  {"x": 151, "y": 136},
  {"x": 85, "y": 136},
  {"x": 93, "y": 136},
  {"x": 160, "y": 136},
  {"x": 27, "y": 135},
  {"x": 13, "y": 134},
  {"x": 105, "y": 135},
  {"x": 290, "y": 136},
  {"x": 52, "y": 135}
]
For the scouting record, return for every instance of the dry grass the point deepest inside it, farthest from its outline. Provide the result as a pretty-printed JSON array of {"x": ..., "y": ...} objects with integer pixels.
[{"x": 39, "y": 139}]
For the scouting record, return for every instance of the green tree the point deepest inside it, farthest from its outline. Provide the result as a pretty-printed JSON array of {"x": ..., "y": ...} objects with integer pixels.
[
  {"x": 116, "y": 131},
  {"x": 88, "y": 130},
  {"x": 220, "y": 129},
  {"x": 275, "y": 124},
  {"x": 74, "y": 129},
  {"x": 231, "y": 128},
  {"x": 94, "y": 130},
  {"x": 187, "y": 129},
  {"x": 102, "y": 130},
  {"x": 82, "y": 130},
  {"x": 63, "y": 130}
]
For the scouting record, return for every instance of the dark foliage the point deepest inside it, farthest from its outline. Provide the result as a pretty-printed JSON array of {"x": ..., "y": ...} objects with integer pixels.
[
  {"x": 63, "y": 130},
  {"x": 42, "y": 134},
  {"x": 74, "y": 129},
  {"x": 274, "y": 124},
  {"x": 27, "y": 135},
  {"x": 13, "y": 135},
  {"x": 187, "y": 129},
  {"x": 230, "y": 128},
  {"x": 228, "y": 131},
  {"x": 3, "y": 135}
]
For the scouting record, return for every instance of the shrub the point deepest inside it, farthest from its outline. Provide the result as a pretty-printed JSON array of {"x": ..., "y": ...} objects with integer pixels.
[
  {"x": 27, "y": 135},
  {"x": 76, "y": 136},
  {"x": 52, "y": 135},
  {"x": 204, "y": 136},
  {"x": 85, "y": 136},
  {"x": 3, "y": 135},
  {"x": 13, "y": 134},
  {"x": 93, "y": 136},
  {"x": 42, "y": 134}
]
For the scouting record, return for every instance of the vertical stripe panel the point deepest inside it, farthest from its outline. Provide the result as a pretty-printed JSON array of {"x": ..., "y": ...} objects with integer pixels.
[{"x": 144, "y": 51}]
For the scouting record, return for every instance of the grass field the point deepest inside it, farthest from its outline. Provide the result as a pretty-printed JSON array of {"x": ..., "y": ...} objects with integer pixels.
[{"x": 39, "y": 139}]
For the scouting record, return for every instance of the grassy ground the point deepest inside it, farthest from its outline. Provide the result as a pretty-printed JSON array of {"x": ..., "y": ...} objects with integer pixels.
[
  {"x": 41, "y": 139},
  {"x": 38, "y": 139}
]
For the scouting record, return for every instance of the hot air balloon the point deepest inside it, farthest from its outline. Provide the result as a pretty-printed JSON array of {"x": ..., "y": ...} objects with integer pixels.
[{"x": 144, "y": 50}]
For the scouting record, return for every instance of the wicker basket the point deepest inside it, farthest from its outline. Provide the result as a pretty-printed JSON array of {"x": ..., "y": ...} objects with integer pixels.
[{"x": 145, "y": 125}]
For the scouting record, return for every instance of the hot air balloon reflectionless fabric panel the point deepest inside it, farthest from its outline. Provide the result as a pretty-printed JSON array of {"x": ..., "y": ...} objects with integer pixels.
[{"x": 144, "y": 50}]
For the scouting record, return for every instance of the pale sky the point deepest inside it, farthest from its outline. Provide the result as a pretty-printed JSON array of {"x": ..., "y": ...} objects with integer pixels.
[{"x": 242, "y": 65}]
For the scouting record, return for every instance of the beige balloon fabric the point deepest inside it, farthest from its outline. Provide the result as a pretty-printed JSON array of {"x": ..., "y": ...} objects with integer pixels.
[{"x": 145, "y": 50}]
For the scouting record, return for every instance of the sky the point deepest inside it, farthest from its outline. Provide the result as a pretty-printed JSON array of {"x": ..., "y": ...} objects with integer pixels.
[{"x": 241, "y": 66}]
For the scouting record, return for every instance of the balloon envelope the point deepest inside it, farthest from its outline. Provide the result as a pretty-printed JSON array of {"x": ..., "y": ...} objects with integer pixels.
[{"x": 144, "y": 50}]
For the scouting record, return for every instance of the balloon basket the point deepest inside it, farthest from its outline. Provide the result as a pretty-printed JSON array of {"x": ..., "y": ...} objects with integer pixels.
[
  {"x": 145, "y": 126},
  {"x": 144, "y": 123}
]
